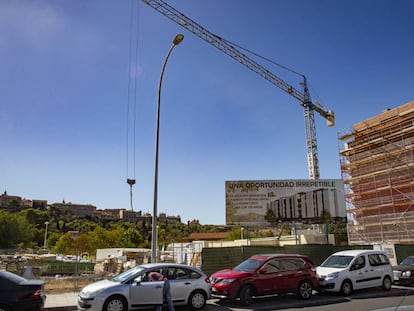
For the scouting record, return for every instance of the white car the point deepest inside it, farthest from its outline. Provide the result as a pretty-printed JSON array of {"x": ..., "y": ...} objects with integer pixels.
[
  {"x": 131, "y": 289},
  {"x": 350, "y": 270}
]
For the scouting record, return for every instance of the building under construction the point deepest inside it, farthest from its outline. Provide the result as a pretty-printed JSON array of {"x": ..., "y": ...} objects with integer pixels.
[{"x": 377, "y": 161}]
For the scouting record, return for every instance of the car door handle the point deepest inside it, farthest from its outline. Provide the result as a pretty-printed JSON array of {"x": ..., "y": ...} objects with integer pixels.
[
  {"x": 158, "y": 286},
  {"x": 187, "y": 283}
]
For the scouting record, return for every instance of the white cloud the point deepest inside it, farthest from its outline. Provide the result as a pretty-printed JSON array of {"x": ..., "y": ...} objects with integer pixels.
[{"x": 34, "y": 23}]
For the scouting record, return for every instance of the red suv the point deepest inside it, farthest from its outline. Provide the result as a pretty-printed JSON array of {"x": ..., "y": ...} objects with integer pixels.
[{"x": 263, "y": 275}]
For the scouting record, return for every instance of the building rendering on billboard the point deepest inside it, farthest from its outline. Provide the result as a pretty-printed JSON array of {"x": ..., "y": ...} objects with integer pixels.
[{"x": 291, "y": 200}]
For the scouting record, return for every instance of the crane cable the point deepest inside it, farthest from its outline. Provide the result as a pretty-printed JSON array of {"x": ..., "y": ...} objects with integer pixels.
[
  {"x": 262, "y": 57},
  {"x": 272, "y": 62},
  {"x": 132, "y": 100}
]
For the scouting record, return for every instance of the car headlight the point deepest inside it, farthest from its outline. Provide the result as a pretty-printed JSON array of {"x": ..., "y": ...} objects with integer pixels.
[
  {"x": 333, "y": 275},
  {"x": 406, "y": 273},
  {"x": 227, "y": 281},
  {"x": 91, "y": 294}
]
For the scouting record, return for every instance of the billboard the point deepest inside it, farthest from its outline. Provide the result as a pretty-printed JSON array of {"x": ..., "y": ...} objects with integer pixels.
[{"x": 291, "y": 200}]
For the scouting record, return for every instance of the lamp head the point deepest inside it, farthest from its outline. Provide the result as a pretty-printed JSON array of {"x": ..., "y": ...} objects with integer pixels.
[{"x": 178, "y": 38}]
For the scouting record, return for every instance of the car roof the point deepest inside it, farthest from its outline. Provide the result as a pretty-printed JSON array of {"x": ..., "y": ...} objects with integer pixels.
[
  {"x": 169, "y": 264},
  {"x": 267, "y": 256},
  {"x": 356, "y": 252},
  {"x": 161, "y": 264}
]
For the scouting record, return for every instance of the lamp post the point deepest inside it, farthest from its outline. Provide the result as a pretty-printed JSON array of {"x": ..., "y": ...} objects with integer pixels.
[
  {"x": 177, "y": 40},
  {"x": 45, "y": 242},
  {"x": 75, "y": 235}
]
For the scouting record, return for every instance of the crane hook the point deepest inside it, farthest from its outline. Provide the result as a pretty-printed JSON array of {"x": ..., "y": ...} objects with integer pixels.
[{"x": 131, "y": 182}]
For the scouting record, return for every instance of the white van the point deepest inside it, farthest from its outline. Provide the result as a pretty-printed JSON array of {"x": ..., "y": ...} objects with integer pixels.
[{"x": 350, "y": 270}]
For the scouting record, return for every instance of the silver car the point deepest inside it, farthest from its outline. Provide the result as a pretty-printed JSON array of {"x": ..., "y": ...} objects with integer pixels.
[{"x": 131, "y": 290}]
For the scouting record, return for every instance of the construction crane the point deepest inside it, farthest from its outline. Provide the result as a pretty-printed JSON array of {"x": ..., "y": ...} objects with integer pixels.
[{"x": 227, "y": 48}]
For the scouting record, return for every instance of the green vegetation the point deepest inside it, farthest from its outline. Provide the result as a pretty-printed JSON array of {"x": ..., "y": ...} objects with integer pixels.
[{"x": 67, "y": 234}]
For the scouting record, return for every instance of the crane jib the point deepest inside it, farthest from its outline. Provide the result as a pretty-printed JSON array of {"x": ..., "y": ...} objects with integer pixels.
[{"x": 230, "y": 50}]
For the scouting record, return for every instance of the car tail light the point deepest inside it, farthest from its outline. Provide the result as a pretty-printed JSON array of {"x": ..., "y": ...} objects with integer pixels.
[
  {"x": 207, "y": 280},
  {"x": 37, "y": 293}
]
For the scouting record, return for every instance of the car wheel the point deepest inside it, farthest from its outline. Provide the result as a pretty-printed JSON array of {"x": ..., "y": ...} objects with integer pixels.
[
  {"x": 346, "y": 288},
  {"x": 115, "y": 303},
  {"x": 305, "y": 290},
  {"x": 197, "y": 300},
  {"x": 246, "y": 295},
  {"x": 386, "y": 283},
  {"x": 4, "y": 308}
]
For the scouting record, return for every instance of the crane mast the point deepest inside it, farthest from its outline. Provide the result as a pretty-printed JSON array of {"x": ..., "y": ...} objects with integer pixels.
[{"x": 227, "y": 48}]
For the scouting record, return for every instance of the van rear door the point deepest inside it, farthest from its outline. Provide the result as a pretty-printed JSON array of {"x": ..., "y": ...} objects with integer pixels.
[{"x": 379, "y": 267}]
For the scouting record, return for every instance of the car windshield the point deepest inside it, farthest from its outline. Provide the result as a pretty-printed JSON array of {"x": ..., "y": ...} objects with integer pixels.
[
  {"x": 337, "y": 261},
  {"x": 408, "y": 262},
  {"x": 249, "y": 265},
  {"x": 124, "y": 276}
]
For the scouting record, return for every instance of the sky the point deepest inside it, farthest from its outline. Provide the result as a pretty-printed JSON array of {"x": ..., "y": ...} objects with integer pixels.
[{"x": 79, "y": 84}]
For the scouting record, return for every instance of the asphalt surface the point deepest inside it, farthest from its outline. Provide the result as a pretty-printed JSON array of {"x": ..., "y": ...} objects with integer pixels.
[{"x": 372, "y": 299}]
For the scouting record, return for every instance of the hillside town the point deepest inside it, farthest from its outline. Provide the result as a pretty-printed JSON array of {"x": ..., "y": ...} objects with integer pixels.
[{"x": 89, "y": 211}]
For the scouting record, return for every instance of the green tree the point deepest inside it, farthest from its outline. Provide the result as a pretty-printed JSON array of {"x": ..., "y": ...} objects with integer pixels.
[
  {"x": 340, "y": 233},
  {"x": 234, "y": 234},
  {"x": 325, "y": 217},
  {"x": 65, "y": 244},
  {"x": 13, "y": 230},
  {"x": 271, "y": 217},
  {"x": 34, "y": 216}
]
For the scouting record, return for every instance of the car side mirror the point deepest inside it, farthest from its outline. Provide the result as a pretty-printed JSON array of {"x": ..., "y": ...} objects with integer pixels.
[
  {"x": 355, "y": 267},
  {"x": 262, "y": 270},
  {"x": 138, "y": 280}
]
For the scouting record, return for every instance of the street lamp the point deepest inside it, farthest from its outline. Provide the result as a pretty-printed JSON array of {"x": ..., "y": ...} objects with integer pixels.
[
  {"x": 177, "y": 40},
  {"x": 45, "y": 242},
  {"x": 75, "y": 235}
]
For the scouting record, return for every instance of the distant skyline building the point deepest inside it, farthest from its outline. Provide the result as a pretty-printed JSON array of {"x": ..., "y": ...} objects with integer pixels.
[
  {"x": 14, "y": 202},
  {"x": 8, "y": 201},
  {"x": 377, "y": 166}
]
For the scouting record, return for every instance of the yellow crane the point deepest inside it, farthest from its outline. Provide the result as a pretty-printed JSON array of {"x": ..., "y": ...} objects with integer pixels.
[{"x": 226, "y": 47}]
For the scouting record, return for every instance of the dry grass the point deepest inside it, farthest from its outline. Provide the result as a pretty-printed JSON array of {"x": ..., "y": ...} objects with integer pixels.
[{"x": 68, "y": 284}]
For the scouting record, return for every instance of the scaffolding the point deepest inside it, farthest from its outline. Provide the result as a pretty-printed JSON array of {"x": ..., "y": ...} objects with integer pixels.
[{"x": 377, "y": 163}]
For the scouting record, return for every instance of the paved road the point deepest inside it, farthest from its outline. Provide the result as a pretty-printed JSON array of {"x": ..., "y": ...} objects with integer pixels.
[
  {"x": 373, "y": 299},
  {"x": 397, "y": 299}
]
